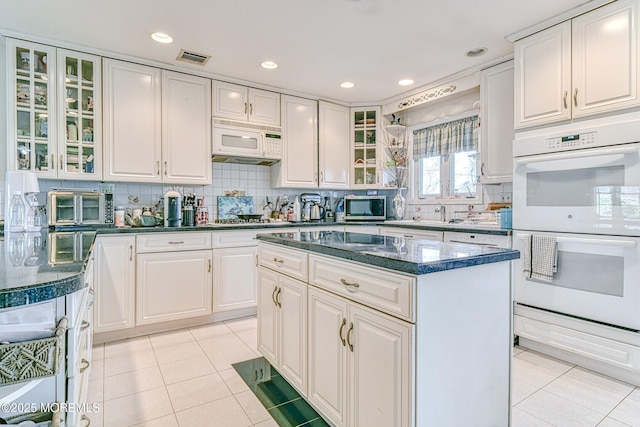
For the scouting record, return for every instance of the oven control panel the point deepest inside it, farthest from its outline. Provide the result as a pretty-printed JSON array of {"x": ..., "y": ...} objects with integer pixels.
[{"x": 572, "y": 141}]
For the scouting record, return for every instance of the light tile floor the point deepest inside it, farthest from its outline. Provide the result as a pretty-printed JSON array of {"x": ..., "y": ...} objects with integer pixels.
[{"x": 184, "y": 378}]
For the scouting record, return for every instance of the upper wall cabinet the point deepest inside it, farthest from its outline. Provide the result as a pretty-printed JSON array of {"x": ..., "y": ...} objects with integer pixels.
[
  {"x": 54, "y": 122},
  {"x": 585, "y": 66},
  {"x": 246, "y": 104},
  {"x": 497, "y": 133},
  {"x": 157, "y": 125},
  {"x": 366, "y": 150},
  {"x": 333, "y": 145},
  {"x": 299, "y": 165}
]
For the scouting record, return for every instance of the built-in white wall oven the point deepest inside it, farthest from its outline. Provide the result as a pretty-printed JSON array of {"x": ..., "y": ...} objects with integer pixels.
[{"x": 576, "y": 220}]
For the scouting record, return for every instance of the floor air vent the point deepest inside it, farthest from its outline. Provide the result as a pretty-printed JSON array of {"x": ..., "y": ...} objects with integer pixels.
[{"x": 192, "y": 57}]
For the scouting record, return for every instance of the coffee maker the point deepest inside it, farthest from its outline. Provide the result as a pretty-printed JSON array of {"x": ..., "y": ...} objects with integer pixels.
[{"x": 172, "y": 209}]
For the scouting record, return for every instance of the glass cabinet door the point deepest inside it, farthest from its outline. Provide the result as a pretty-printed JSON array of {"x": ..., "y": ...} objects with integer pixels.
[
  {"x": 79, "y": 99},
  {"x": 31, "y": 107},
  {"x": 365, "y": 148}
]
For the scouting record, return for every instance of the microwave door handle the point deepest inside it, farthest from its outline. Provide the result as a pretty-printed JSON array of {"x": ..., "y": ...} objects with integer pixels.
[
  {"x": 600, "y": 242},
  {"x": 600, "y": 153}
]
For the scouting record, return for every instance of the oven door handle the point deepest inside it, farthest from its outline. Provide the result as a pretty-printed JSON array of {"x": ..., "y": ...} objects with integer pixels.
[
  {"x": 601, "y": 242},
  {"x": 596, "y": 152}
]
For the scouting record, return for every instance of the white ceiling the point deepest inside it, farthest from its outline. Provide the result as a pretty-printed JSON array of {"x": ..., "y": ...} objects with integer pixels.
[{"x": 317, "y": 43}]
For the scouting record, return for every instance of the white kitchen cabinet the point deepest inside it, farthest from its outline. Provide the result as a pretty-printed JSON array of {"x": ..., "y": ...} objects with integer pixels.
[
  {"x": 299, "y": 165},
  {"x": 333, "y": 145},
  {"x": 543, "y": 77},
  {"x": 366, "y": 150},
  {"x": 411, "y": 233},
  {"x": 132, "y": 122},
  {"x": 585, "y": 66},
  {"x": 157, "y": 125},
  {"x": 55, "y": 113},
  {"x": 186, "y": 129},
  {"x": 236, "y": 102},
  {"x": 234, "y": 278},
  {"x": 348, "y": 343},
  {"x": 282, "y": 332},
  {"x": 173, "y": 285},
  {"x": 114, "y": 283},
  {"x": 497, "y": 131}
]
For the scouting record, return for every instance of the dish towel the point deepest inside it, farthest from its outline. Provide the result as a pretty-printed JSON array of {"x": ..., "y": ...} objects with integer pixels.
[{"x": 540, "y": 258}]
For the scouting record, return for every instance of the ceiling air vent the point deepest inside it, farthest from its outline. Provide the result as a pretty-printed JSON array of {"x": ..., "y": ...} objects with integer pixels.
[{"x": 192, "y": 57}]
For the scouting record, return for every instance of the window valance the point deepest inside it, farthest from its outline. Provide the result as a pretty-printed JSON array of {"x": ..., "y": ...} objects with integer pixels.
[{"x": 446, "y": 138}]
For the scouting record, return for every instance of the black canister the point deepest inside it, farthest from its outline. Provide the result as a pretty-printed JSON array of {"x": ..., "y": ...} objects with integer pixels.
[{"x": 188, "y": 216}]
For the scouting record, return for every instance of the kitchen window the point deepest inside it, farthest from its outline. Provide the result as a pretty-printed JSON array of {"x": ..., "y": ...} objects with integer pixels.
[{"x": 446, "y": 160}]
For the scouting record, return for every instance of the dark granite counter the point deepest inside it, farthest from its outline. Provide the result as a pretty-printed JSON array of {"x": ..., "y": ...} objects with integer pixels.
[
  {"x": 414, "y": 256},
  {"x": 37, "y": 267}
]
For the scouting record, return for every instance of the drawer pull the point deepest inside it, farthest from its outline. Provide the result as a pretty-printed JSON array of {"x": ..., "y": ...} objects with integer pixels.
[
  {"x": 279, "y": 261},
  {"x": 209, "y": 269},
  {"x": 273, "y": 296},
  {"x": 278, "y": 298},
  {"x": 354, "y": 284},
  {"x": 408, "y": 235},
  {"x": 130, "y": 252},
  {"x": 344, "y": 323},
  {"x": 84, "y": 325},
  {"x": 181, "y": 242},
  {"x": 85, "y": 418},
  {"x": 349, "y": 337},
  {"x": 85, "y": 365},
  {"x": 92, "y": 298}
]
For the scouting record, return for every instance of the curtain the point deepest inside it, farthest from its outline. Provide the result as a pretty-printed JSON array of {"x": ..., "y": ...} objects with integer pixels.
[{"x": 446, "y": 138}]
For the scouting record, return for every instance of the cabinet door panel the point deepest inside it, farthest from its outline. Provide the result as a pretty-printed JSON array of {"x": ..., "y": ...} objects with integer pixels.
[
  {"x": 234, "y": 283},
  {"x": 299, "y": 165},
  {"x": 264, "y": 107},
  {"x": 173, "y": 285},
  {"x": 333, "y": 145},
  {"x": 229, "y": 101},
  {"x": 186, "y": 129},
  {"x": 115, "y": 283},
  {"x": 496, "y": 94},
  {"x": 543, "y": 77},
  {"x": 380, "y": 369},
  {"x": 327, "y": 389},
  {"x": 132, "y": 122},
  {"x": 267, "y": 315},
  {"x": 605, "y": 62},
  {"x": 292, "y": 300}
]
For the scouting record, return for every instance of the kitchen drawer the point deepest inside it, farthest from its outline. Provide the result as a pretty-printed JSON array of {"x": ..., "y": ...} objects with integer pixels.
[
  {"x": 411, "y": 233},
  {"x": 286, "y": 261},
  {"x": 172, "y": 242},
  {"x": 230, "y": 239},
  {"x": 76, "y": 303},
  {"x": 382, "y": 290},
  {"x": 478, "y": 239}
]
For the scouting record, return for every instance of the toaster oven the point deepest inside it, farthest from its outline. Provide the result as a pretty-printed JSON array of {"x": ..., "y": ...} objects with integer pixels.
[{"x": 75, "y": 207}]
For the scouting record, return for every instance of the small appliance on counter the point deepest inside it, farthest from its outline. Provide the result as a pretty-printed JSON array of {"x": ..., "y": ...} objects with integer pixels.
[
  {"x": 365, "y": 208},
  {"x": 311, "y": 207},
  {"x": 77, "y": 207},
  {"x": 172, "y": 209}
]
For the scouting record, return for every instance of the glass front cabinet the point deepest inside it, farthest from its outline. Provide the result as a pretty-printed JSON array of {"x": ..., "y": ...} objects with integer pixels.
[
  {"x": 54, "y": 125},
  {"x": 365, "y": 161}
]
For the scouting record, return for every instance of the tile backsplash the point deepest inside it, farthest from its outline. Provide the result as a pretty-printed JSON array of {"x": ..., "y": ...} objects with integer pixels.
[{"x": 254, "y": 180}]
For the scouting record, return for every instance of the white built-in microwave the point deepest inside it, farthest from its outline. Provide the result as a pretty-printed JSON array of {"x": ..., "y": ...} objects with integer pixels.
[{"x": 236, "y": 139}]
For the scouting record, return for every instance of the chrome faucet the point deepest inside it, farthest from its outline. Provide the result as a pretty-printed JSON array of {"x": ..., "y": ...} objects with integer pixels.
[{"x": 443, "y": 211}]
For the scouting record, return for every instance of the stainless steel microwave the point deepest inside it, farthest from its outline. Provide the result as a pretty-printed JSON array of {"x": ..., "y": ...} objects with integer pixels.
[
  {"x": 365, "y": 208},
  {"x": 79, "y": 207}
]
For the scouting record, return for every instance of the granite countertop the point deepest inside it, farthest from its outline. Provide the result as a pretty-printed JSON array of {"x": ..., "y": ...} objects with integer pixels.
[
  {"x": 34, "y": 269},
  {"x": 414, "y": 256}
]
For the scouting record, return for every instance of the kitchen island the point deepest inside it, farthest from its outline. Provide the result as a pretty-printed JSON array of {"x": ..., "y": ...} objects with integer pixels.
[{"x": 386, "y": 331}]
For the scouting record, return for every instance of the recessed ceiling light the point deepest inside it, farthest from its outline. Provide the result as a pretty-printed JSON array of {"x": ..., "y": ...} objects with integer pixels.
[
  {"x": 477, "y": 51},
  {"x": 347, "y": 85},
  {"x": 162, "y": 38},
  {"x": 269, "y": 65},
  {"x": 405, "y": 82}
]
